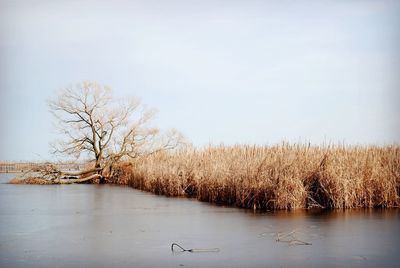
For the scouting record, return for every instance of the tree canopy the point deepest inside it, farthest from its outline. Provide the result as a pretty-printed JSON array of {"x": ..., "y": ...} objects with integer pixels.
[{"x": 94, "y": 124}]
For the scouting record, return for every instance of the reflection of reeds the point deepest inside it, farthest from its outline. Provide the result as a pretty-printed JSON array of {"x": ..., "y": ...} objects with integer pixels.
[{"x": 279, "y": 177}]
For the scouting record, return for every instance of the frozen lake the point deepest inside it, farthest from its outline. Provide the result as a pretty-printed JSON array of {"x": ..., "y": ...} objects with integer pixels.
[{"x": 114, "y": 226}]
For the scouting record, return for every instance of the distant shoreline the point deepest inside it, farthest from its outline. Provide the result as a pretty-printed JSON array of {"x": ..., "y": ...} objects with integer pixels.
[{"x": 20, "y": 167}]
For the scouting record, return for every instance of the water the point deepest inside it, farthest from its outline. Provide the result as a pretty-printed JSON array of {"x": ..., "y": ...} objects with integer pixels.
[{"x": 113, "y": 226}]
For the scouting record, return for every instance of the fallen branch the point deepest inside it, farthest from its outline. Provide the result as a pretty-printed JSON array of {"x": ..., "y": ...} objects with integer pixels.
[
  {"x": 192, "y": 250},
  {"x": 291, "y": 239}
]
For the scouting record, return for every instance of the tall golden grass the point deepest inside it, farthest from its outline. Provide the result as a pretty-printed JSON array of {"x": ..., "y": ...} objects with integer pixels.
[{"x": 286, "y": 176}]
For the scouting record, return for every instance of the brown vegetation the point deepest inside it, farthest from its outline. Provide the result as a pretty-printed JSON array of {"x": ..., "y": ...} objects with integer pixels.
[
  {"x": 48, "y": 173},
  {"x": 278, "y": 177},
  {"x": 31, "y": 180}
]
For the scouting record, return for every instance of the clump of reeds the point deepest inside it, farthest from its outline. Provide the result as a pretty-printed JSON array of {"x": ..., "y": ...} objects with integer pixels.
[
  {"x": 273, "y": 177},
  {"x": 31, "y": 180}
]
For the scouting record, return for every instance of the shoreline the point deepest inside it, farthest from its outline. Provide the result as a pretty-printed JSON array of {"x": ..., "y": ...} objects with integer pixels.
[{"x": 282, "y": 177}]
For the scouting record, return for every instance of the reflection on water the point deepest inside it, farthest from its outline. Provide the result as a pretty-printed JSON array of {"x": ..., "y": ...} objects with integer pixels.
[{"x": 104, "y": 226}]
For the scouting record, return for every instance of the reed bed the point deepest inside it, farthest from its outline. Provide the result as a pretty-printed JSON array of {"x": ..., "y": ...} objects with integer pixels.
[
  {"x": 286, "y": 176},
  {"x": 31, "y": 180}
]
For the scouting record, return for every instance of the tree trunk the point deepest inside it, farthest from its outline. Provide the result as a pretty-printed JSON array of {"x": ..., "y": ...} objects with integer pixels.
[
  {"x": 80, "y": 180},
  {"x": 81, "y": 173},
  {"x": 99, "y": 173}
]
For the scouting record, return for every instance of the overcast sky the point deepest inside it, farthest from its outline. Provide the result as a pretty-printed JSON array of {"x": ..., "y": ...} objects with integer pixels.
[{"x": 256, "y": 72}]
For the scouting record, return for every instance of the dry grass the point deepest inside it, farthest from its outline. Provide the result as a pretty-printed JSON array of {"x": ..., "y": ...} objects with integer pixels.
[
  {"x": 31, "y": 180},
  {"x": 278, "y": 177}
]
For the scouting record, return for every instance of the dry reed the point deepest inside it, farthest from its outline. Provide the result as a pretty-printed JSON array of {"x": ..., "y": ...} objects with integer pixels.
[
  {"x": 284, "y": 176},
  {"x": 31, "y": 180}
]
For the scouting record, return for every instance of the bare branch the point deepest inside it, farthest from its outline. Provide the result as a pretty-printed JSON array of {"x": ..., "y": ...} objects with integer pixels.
[{"x": 94, "y": 124}]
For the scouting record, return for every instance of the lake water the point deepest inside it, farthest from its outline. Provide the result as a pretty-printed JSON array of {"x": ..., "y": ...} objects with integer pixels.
[{"x": 114, "y": 226}]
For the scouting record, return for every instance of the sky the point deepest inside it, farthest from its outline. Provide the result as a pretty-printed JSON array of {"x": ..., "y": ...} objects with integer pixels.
[{"x": 231, "y": 72}]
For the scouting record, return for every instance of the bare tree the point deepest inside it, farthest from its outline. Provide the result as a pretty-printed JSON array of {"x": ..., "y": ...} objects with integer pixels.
[{"x": 105, "y": 129}]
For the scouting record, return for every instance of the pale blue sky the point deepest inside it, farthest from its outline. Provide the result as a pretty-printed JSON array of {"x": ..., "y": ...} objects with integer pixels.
[{"x": 220, "y": 71}]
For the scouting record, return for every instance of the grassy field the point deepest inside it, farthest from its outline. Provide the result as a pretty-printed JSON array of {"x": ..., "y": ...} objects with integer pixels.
[{"x": 284, "y": 177}]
